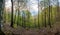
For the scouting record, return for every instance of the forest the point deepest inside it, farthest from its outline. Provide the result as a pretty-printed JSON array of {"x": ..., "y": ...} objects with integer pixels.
[{"x": 30, "y": 17}]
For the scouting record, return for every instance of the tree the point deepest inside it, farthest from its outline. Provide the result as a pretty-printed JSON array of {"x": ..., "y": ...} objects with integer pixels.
[
  {"x": 1, "y": 14},
  {"x": 44, "y": 4},
  {"x": 26, "y": 15},
  {"x": 12, "y": 14}
]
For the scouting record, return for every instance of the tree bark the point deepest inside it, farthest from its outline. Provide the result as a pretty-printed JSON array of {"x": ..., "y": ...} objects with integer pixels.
[
  {"x": 12, "y": 14},
  {"x": 1, "y": 15},
  {"x": 49, "y": 15}
]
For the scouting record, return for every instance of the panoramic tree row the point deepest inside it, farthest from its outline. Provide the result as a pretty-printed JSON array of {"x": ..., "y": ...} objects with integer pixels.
[{"x": 20, "y": 14}]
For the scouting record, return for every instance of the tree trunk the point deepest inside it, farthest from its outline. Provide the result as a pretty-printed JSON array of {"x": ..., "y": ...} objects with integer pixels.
[
  {"x": 38, "y": 16},
  {"x": 1, "y": 15},
  {"x": 12, "y": 14},
  {"x": 49, "y": 15}
]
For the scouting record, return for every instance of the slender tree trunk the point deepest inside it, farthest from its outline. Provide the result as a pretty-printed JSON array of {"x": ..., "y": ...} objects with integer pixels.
[
  {"x": 0, "y": 12},
  {"x": 38, "y": 16},
  {"x": 49, "y": 15},
  {"x": 12, "y": 14}
]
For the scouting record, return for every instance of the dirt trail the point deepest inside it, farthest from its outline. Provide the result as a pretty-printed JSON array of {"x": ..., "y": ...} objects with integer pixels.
[{"x": 55, "y": 30}]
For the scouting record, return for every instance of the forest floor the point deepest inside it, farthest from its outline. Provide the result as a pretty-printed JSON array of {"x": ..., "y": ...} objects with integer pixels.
[{"x": 55, "y": 30}]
